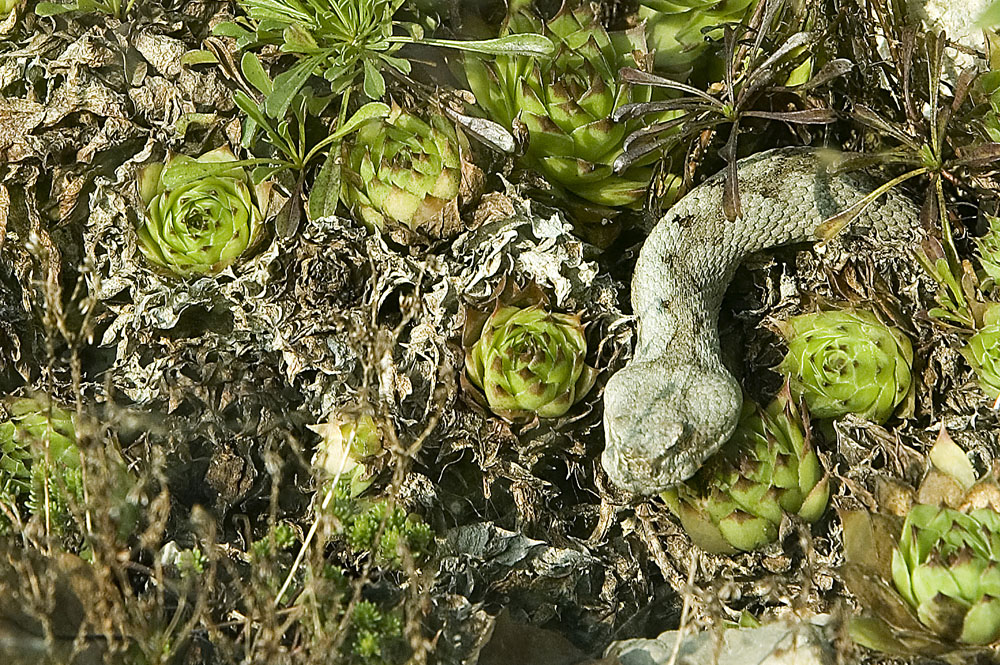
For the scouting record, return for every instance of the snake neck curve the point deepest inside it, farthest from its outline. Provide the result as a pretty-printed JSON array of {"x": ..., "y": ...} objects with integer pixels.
[{"x": 675, "y": 403}]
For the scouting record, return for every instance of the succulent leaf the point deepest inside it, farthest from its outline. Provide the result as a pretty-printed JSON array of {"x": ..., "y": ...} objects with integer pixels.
[
  {"x": 947, "y": 568},
  {"x": 530, "y": 362},
  {"x": 201, "y": 216},
  {"x": 982, "y": 352},
  {"x": 675, "y": 28},
  {"x": 846, "y": 361}
]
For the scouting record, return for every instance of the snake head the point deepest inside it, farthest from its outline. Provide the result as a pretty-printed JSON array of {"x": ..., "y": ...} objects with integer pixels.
[{"x": 662, "y": 423}]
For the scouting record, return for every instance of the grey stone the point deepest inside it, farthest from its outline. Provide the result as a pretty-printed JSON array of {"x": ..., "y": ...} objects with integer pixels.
[{"x": 780, "y": 643}]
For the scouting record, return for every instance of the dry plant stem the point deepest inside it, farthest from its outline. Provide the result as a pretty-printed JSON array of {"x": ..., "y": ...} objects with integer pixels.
[{"x": 685, "y": 608}]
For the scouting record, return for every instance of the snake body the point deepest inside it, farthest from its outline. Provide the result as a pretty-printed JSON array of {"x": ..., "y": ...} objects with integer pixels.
[{"x": 675, "y": 403}]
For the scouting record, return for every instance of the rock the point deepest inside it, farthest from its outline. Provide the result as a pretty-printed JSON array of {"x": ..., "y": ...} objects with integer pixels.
[{"x": 779, "y": 643}]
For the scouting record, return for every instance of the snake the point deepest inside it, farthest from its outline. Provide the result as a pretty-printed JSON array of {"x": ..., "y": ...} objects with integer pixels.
[{"x": 675, "y": 403}]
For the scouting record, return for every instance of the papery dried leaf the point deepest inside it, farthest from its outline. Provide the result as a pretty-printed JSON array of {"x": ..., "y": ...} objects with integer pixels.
[
  {"x": 880, "y": 598},
  {"x": 869, "y": 540},
  {"x": 948, "y": 458}
]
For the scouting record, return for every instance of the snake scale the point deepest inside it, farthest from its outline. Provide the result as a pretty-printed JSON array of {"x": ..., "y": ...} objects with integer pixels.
[{"x": 675, "y": 403}]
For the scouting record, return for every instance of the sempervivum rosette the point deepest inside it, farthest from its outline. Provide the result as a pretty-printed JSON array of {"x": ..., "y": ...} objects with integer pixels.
[
  {"x": 565, "y": 100},
  {"x": 530, "y": 362},
  {"x": 926, "y": 568},
  {"x": 201, "y": 215},
  {"x": 947, "y": 567},
  {"x": 844, "y": 362},
  {"x": 767, "y": 469},
  {"x": 404, "y": 172},
  {"x": 674, "y": 28},
  {"x": 982, "y": 352}
]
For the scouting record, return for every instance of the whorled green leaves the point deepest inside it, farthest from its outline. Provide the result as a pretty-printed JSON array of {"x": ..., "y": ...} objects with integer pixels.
[
  {"x": 846, "y": 361},
  {"x": 929, "y": 584},
  {"x": 530, "y": 362},
  {"x": 767, "y": 469},
  {"x": 565, "y": 100},
  {"x": 201, "y": 215},
  {"x": 39, "y": 460},
  {"x": 947, "y": 567},
  {"x": 405, "y": 172},
  {"x": 982, "y": 352},
  {"x": 674, "y": 28}
]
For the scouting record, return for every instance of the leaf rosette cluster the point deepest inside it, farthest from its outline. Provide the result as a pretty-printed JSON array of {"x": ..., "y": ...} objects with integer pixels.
[
  {"x": 927, "y": 572},
  {"x": 529, "y": 362},
  {"x": 402, "y": 171},
  {"x": 565, "y": 101},
  {"x": 766, "y": 470},
  {"x": 675, "y": 28},
  {"x": 201, "y": 214},
  {"x": 40, "y": 461},
  {"x": 846, "y": 361}
]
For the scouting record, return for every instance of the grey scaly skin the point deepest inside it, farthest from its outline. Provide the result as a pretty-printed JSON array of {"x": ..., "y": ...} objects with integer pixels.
[{"x": 675, "y": 404}]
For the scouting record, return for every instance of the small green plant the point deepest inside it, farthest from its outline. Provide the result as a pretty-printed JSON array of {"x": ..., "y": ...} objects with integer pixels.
[
  {"x": 846, "y": 361},
  {"x": 966, "y": 301},
  {"x": 982, "y": 352},
  {"x": 406, "y": 173},
  {"x": 755, "y": 74},
  {"x": 41, "y": 464},
  {"x": 528, "y": 362},
  {"x": 342, "y": 41},
  {"x": 565, "y": 101},
  {"x": 929, "y": 584},
  {"x": 201, "y": 214},
  {"x": 947, "y": 567},
  {"x": 675, "y": 29},
  {"x": 279, "y": 539},
  {"x": 372, "y": 628},
  {"x": 767, "y": 469},
  {"x": 190, "y": 563},
  {"x": 341, "y": 461}
]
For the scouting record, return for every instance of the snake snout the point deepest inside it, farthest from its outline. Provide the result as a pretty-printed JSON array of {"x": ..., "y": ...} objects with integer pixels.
[{"x": 662, "y": 423}]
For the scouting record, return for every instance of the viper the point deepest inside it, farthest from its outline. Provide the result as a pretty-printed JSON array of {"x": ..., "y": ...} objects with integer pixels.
[{"x": 675, "y": 403}]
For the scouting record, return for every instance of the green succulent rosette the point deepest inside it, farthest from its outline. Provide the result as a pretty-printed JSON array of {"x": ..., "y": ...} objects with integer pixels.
[
  {"x": 41, "y": 467},
  {"x": 402, "y": 171},
  {"x": 201, "y": 215},
  {"x": 565, "y": 101},
  {"x": 530, "y": 362},
  {"x": 926, "y": 571},
  {"x": 674, "y": 29},
  {"x": 947, "y": 567},
  {"x": 39, "y": 460},
  {"x": 766, "y": 470},
  {"x": 982, "y": 352},
  {"x": 846, "y": 361}
]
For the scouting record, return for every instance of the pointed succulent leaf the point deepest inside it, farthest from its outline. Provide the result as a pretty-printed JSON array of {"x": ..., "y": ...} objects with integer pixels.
[{"x": 982, "y": 352}]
